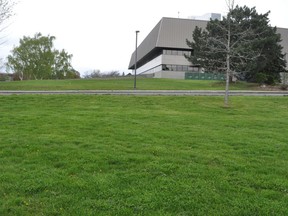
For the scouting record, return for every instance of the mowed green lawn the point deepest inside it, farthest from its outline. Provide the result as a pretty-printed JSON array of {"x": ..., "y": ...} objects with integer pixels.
[
  {"x": 123, "y": 84},
  {"x": 135, "y": 155}
]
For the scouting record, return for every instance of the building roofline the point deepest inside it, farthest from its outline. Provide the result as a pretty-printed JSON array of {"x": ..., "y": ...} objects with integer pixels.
[
  {"x": 172, "y": 33},
  {"x": 168, "y": 33}
]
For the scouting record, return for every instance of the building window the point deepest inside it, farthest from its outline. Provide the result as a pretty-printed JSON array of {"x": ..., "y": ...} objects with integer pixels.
[
  {"x": 169, "y": 67},
  {"x": 166, "y": 67},
  {"x": 179, "y": 68},
  {"x": 168, "y": 52},
  {"x": 187, "y": 53},
  {"x": 176, "y": 52}
]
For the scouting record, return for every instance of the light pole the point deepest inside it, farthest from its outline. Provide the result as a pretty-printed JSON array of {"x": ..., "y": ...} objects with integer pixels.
[{"x": 135, "y": 60}]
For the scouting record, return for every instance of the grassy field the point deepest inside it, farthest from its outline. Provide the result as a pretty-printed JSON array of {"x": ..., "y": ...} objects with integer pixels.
[
  {"x": 129, "y": 155},
  {"x": 122, "y": 84}
]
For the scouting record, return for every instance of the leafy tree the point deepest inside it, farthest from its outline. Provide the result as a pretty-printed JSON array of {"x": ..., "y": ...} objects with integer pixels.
[
  {"x": 62, "y": 66},
  {"x": 98, "y": 74},
  {"x": 92, "y": 74},
  {"x": 111, "y": 74},
  {"x": 238, "y": 43},
  {"x": 35, "y": 58}
]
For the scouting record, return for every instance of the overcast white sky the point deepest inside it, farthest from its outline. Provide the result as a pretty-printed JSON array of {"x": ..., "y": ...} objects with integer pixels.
[{"x": 101, "y": 34}]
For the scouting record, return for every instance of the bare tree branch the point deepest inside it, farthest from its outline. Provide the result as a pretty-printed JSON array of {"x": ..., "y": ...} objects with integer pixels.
[{"x": 6, "y": 11}]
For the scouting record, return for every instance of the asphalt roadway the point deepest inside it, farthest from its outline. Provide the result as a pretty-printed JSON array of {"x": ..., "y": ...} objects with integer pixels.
[{"x": 150, "y": 92}]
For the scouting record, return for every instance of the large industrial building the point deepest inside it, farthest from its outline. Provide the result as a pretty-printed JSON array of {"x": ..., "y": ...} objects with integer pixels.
[{"x": 161, "y": 54}]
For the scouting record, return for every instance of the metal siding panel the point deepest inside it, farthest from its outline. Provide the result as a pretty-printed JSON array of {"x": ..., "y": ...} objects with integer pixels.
[
  {"x": 168, "y": 33},
  {"x": 284, "y": 43},
  {"x": 174, "y": 32},
  {"x": 148, "y": 44}
]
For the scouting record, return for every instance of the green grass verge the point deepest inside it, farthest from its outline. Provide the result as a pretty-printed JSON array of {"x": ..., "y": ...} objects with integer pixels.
[
  {"x": 129, "y": 155},
  {"x": 122, "y": 84}
]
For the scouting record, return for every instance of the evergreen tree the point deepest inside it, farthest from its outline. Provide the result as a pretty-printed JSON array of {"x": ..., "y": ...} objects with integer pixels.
[
  {"x": 241, "y": 42},
  {"x": 254, "y": 46}
]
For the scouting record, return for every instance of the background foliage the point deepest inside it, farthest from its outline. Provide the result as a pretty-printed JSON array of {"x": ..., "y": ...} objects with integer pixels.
[{"x": 36, "y": 58}]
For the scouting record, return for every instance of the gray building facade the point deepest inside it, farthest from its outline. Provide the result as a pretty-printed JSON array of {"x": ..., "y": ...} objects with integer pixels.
[{"x": 162, "y": 52}]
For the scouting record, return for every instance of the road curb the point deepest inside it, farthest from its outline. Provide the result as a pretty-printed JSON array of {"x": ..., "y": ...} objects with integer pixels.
[{"x": 150, "y": 92}]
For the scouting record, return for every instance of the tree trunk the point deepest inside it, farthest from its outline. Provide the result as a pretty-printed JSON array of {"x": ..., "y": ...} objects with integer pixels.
[
  {"x": 21, "y": 76},
  {"x": 226, "y": 100}
]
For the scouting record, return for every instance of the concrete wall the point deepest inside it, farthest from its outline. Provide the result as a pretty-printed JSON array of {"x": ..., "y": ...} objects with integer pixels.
[
  {"x": 170, "y": 74},
  {"x": 162, "y": 59},
  {"x": 152, "y": 64},
  {"x": 284, "y": 42},
  {"x": 284, "y": 78},
  {"x": 175, "y": 60}
]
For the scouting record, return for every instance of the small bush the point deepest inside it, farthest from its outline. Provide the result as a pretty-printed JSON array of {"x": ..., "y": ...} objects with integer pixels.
[{"x": 261, "y": 78}]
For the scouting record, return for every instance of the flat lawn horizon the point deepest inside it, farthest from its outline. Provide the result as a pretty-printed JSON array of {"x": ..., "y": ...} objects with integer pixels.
[
  {"x": 123, "y": 84},
  {"x": 140, "y": 155}
]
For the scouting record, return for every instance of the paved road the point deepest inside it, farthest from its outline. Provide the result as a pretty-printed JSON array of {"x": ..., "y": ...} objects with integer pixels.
[{"x": 152, "y": 92}]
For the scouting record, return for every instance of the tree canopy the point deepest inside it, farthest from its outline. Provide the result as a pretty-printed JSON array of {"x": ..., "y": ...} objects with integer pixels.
[
  {"x": 242, "y": 42},
  {"x": 35, "y": 58}
]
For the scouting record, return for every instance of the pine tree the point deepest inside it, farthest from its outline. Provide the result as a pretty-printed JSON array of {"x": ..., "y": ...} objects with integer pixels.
[{"x": 241, "y": 42}]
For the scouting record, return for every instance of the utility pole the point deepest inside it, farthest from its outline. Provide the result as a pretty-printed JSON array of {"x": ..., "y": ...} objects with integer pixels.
[{"x": 135, "y": 60}]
